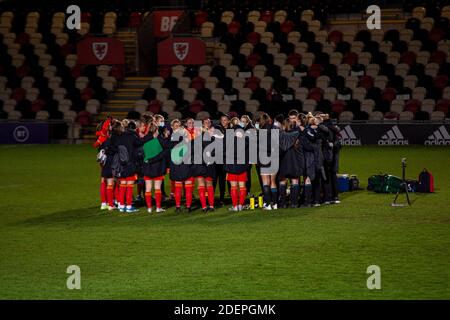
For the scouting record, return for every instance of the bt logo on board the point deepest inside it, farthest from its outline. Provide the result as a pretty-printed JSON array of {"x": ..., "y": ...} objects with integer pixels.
[{"x": 21, "y": 134}]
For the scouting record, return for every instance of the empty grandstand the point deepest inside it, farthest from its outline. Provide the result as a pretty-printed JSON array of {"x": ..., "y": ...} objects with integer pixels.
[{"x": 260, "y": 56}]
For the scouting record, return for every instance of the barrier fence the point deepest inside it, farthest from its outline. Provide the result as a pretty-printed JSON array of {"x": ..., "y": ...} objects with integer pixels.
[{"x": 353, "y": 134}]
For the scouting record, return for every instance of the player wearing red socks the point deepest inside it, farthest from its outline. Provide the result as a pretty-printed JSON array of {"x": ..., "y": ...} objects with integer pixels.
[
  {"x": 103, "y": 134},
  {"x": 237, "y": 171},
  {"x": 125, "y": 141},
  {"x": 154, "y": 168},
  {"x": 180, "y": 171}
]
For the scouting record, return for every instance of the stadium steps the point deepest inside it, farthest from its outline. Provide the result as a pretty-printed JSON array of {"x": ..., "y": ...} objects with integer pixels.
[
  {"x": 123, "y": 99},
  {"x": 394, "y": 17},
  {"x": 129, "y": 40}
]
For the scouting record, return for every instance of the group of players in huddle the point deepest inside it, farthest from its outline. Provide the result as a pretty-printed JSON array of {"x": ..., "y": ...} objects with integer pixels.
[{"x": 307, "y": 148}]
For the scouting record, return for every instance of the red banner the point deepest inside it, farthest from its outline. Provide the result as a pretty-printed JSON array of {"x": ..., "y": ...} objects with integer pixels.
[
  {"x": 93, "y": 50},
  {"x": 181, "y": 51},
  {"x": 164, "y": 21}
]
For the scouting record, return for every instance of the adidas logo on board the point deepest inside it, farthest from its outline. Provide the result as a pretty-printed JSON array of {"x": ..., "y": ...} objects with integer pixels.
[
  {"x": 440, "y": 137},
  {"x": 348, "y": 137},
  {"x": 393, "y": 137}
]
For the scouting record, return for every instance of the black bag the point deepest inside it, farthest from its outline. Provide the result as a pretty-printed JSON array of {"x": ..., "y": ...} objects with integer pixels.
[
  {"x": 384, "y": 183},
  {"x": 375, "y": 182},
  {"x": 412, "y": 185},
  {"x": 426, "y": 182},
  {"x": 353, "y": 183},
  {"x": 121, "y": 158}
]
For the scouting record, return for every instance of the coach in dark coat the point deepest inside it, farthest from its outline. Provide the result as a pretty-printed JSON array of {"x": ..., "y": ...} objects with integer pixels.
[
  {"x": 180, "y": 169},
  {"x": 110, "y": 150},
  {"x": 235, "y": 167},
  {"x": 130, "y": 140},
  {"x": 331, "y": 161}
]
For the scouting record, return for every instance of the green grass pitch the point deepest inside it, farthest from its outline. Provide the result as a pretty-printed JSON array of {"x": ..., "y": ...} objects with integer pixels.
[{"x": 49, "y": 219}]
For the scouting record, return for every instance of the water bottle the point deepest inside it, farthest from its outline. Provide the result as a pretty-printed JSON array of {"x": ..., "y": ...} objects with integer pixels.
[
  {"x": 260, "y": 201},
  {"x": 252, "y": 202}
]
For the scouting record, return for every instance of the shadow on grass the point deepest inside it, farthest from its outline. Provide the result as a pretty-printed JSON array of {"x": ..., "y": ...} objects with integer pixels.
[{"x": 92, "y": 216}]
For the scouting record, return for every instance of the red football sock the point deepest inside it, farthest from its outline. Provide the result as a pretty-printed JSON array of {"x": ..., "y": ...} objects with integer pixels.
[
  {"x": 148, "y": 199},
  {"x": 122, "y": 193},
  {"x": 202, "y": 196},
  {"x": 211, "y": 196},
  {"x": 234, "y": 196},
  {"x": 117, "y": 191},
  {"x": 188, "y": 190},
  {"x": 130, "y": 194},
  {"x": 158, "y": 198},
  {"x": 242, "y": 195},
  {"x": 110, "y": 194},
  {"x": 172, "y": 186},
  {"x": 178, "y": 190},
  {"x": 103, "y": 191}
]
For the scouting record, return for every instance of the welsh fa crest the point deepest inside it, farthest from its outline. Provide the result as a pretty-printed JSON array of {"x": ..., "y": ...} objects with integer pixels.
[
  {"x": 181, "y": 50},
  {"x": 100, "y": 49}
]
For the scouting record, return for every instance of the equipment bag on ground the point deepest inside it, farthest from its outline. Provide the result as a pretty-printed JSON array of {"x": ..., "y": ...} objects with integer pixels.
[
  {"x": 384, "y": 183},
  {"x": 426, "y": 181},
  {"x": 353, "y": 183}
]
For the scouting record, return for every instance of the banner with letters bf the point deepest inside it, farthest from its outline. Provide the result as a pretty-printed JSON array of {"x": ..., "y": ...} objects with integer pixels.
[
  {"x": 92, "y": 50},
  {"x": 175, "y": 51},
  {"x": 164, "y": 21},
  {"x": 24, "y": 133},
  {"x": 395, "y": 134}
]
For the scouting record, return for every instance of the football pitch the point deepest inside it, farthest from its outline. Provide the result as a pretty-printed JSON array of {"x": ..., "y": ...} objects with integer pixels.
[{"x": 50, "y": 219}]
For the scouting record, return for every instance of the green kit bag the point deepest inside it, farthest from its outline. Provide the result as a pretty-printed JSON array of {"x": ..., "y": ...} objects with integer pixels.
[{"x": 151, "y": 149}]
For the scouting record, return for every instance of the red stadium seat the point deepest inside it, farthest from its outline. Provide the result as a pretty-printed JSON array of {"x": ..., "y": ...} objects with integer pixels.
[
  {"x": 200, "y": 18},
  {"x": 253, "y": 60},
  {"x": 389, "y": 94},
  {"x": 67, "y": 49},
  {"x": 76, "y": 71},
  {"x": 413, "y": 105},
  {"x": 22, "y": 71},
  {"x": 266, "y": 16},
  {"x": 443, "y": 105},
  {"x": 196, "y": 106},
  {"x": 408, "y": 57},
  {"x": 287, "y": 26},
  {"x": 391, "y": 115},
  {"x": 117, "y": 72},
  {"x": 198, "y": 83},
  {"x": 338, "y": 106},
  {"x": 315, "y": 94},
  {"x": 234, "y": 27},
  {"x": 366, "y": 82},
  {"x": 335, "y": 36},
  {"x": 85, "y": 17},
  {"x": 294, "y": 59},
  {"x": 135, "y": 20},
  {"x": 87, "y": 94},
  {"x": 350, "y": 58},
  {"x": 84, "y": 118},
  {"x": 315, "y": 70},
  {"x": 37, "y": 105},
  {"x": 18, "y": 94},
  {"x": 438, "y": 57},
  {"x": 441, "y": 81},
  {"x": 155, "y": 106},
  {"x": 436, "y": 35},
  {"x": 164, "y": 71},
  {"x": 252, "y": 83},
  {"x": 253, "y": 38}
]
